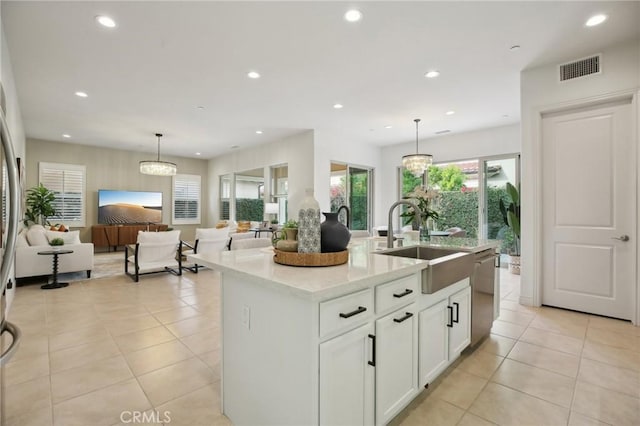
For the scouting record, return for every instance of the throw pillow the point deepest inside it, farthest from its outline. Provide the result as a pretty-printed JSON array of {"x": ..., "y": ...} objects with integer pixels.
[
  {"x": 72, "y": 237},
  {"x": 36, "y": 236},
  {"x": 21, "y": 239},
  {"x": 222, "y": 224},
  {"x": 243, "y": 226}
]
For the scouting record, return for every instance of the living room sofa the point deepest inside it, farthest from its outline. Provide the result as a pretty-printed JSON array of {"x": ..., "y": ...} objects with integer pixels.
[{"x": 29, "y": 263}]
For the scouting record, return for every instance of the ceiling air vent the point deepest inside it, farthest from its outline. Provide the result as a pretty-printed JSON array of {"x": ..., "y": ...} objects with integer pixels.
[{"x": 580, "y": 68}]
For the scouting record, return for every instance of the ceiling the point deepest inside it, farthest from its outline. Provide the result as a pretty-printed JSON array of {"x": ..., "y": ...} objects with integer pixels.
[{"x": 165, "y": 59}]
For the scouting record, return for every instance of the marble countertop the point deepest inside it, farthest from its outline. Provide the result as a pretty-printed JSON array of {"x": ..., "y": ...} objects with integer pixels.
[{"x": 364, "y": 268}]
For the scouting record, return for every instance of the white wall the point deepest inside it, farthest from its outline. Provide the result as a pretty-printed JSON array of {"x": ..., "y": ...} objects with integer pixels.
[
  {"x": 457, "y": 146},
  {"x": 296, "y": 151},
  {"x": 337, "y": 147},
  {"x": 541, "y": 92},
  {"x": 108, "y": 168}
]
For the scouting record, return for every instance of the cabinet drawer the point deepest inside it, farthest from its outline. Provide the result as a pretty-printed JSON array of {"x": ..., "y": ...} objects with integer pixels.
[
  {"x": 345, "y": 312},
  {"x": 397, "y": 293}
]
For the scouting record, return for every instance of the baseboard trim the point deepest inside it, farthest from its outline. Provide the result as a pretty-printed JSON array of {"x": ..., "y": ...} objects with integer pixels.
[{"x": 526, "y": 300}]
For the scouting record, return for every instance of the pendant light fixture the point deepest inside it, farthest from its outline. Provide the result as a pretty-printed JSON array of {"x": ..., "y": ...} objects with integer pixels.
[
  {"x": 417, "y": 163},
  {"x": 157, "y": 167}
]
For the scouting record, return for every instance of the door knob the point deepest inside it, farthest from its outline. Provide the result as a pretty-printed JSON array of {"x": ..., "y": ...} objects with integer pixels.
[{"x": 621, "y": 238}]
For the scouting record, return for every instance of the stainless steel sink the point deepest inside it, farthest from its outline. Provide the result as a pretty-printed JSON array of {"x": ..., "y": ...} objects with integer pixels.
[{"x": 446, "y": 266}]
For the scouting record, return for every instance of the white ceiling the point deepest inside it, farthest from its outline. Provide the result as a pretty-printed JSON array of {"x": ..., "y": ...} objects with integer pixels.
[{"x": 164, "y": 59}]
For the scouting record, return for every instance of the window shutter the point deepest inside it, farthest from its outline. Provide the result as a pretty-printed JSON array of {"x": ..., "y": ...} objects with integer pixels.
[
  {"x": 186, "y": 199},
  {"x": 67, "y": 181}
]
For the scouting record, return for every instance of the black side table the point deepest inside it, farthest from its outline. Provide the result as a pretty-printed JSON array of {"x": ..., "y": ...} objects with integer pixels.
[{"x": 54, "y": 284}]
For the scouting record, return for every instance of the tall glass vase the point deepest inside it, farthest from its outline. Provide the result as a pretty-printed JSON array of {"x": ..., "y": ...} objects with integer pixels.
[{"x": 424, "y": 230}]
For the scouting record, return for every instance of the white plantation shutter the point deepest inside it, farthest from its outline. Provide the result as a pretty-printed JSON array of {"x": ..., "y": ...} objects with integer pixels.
[
  {"x": 67, "y": 181},
  {"x": 186, "y": 200}
]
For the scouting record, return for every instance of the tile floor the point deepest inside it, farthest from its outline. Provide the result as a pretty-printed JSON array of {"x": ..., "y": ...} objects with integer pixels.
[{"x": 98, "y": 351}]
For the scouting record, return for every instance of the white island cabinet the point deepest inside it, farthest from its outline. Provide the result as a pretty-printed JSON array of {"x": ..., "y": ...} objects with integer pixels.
[{"x": 334, "y": 345}]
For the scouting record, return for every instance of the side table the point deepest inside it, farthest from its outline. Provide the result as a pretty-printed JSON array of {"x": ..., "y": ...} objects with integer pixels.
[{"x": 54, "y": 284}]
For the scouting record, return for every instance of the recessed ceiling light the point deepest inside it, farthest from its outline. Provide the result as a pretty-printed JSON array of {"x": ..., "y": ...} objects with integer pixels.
[
  {"x": 200, "y": 107},
  {"x": 432, "y": 74},
  {"x": 81, "y": 94},
  {"x": 197, "y": 153},
  {"x": 65, "y": 135},
  {"x": 505, "y": 115},
  {"x": 450, "y": 112},
  {"x": 514, "y": 47},
  {"x": 106, "y": 21},
  {"x": 442, "y": 132},
  {"x": 353, "y": 15},
  {"x": 596, "y": 20},
  {"x": 253, "y": 74},
  {"x": 337, "y": 106},
  {"x": 388, "y": 127},
  {"x": 259, "y": 132},
  {"x": 235, "y": 146}
]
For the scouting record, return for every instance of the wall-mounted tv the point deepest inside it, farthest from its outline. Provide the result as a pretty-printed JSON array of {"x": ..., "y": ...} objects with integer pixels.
[{"x": 121, "y": 207}]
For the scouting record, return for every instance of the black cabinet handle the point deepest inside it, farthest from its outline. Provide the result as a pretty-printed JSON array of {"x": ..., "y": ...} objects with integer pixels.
[
  {"x": 457, "y": 312},
  {"x": 406, "y": 292},
  {"x": 450, "y": 320},
  {"x": 404, "y": 318},
  {"x": 373, "y": 345},
  {"x": 360, "y": 310}
]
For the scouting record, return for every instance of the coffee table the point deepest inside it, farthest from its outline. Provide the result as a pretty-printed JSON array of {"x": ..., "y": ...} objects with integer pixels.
[{"x": 54, "y": 279}]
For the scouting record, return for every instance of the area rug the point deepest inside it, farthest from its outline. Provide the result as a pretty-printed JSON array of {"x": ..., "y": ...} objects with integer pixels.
[{"x": 104, "y": 265}]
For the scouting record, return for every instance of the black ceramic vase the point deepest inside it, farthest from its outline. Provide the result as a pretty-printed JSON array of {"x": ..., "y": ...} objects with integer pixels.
[{"x": 334, "y": 236}]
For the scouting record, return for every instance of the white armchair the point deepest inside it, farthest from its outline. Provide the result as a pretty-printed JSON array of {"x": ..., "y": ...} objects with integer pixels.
[
  {"x": 247, "y": 243},
  {"x": 154, "y": 252},
  {"x": 207, "y": 240}
]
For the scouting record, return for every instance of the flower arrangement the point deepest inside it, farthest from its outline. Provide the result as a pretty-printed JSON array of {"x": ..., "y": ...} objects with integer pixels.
[{"x": 423, "y": 197}]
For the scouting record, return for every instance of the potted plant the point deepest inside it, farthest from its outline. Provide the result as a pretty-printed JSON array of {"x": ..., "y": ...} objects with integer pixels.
[
  {"x": 511, "y": 216},
  {"x": 39, "y": 205},
  {"x": 423, "y": 197},
  {"x": 290, "y": 229},
  {"x": 57, "y": 242}
]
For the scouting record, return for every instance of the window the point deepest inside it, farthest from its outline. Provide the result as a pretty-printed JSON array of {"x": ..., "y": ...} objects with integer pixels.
[
  {"x": 67, "y": 181},
  {"x": 225, "y": 197},
  {"x": 186, "y": 199}
]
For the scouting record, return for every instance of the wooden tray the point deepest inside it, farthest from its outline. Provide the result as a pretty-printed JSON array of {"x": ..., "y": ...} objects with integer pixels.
[{"x": 310, "y": 259}]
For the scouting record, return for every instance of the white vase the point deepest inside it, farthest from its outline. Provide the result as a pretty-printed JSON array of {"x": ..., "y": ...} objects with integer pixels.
[{"x": 309, "y": 224}]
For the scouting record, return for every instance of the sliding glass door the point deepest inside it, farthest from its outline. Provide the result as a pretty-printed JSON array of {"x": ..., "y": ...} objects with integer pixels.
[
  {"x": 494, "y": 175},
  {"x": 470, "y": 193},
  {"x": 352, "y": 186}
]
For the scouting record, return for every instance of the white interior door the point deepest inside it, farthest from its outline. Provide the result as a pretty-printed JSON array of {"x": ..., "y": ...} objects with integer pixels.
[{"x": 589, "y": 210}]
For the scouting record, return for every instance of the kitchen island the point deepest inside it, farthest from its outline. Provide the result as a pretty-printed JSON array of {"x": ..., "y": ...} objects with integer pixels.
[{"x": 350, "y": 344}]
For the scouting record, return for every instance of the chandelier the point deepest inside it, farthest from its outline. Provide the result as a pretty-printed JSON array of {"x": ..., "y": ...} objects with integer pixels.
[
  {"x": 417, "y": 163},
  {"x": 157, "y": 167}
]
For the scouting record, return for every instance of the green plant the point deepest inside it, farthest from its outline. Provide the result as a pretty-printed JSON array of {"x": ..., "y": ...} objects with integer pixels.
[
  {"x": 57, "y": 242},
  {"x": 251, "y": 209},
  {"x": 291, "y": 224},
  {"x": 39, "y": 205},
  {"x": 511, "y": 215},
  {"x": 423, "y": 198},
  {"x": 448, "y": 178}
]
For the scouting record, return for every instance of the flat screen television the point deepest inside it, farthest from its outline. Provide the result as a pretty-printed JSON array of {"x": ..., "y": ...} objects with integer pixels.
[{"x": 123, "y": 207}]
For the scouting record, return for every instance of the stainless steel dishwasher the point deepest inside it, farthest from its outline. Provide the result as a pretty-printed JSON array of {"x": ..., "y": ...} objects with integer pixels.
[{"x": 482, "y": 294}]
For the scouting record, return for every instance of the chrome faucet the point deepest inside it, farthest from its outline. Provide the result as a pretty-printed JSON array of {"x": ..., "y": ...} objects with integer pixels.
[{"x": 416, "y": 209}]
